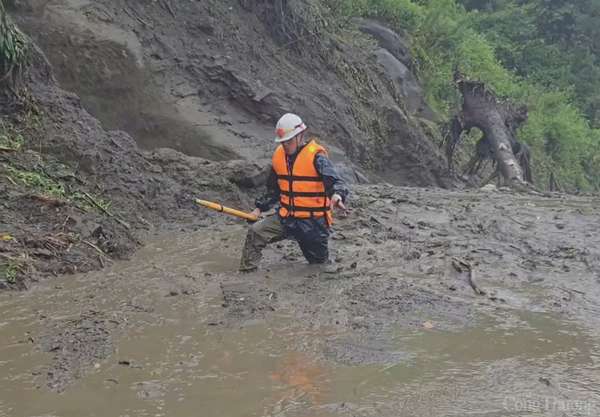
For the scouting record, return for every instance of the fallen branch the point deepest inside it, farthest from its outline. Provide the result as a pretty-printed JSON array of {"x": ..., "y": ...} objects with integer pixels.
[
  {"x": 105, "y": 211},
  {"x": 517, "y": 222},
  {"x": 134, "y": 15},
  {"x": 98, "y": 205},
  {"x": 491, "y": 177},
  {"x": 462, "y": 266},
  {"x": 167, "y": 5},
  {"x": 96, "y": 248},
  {"x": 570, "y": 290},
  {"x": 50, "y": 201},
  {"x": 11, "y": 180}
]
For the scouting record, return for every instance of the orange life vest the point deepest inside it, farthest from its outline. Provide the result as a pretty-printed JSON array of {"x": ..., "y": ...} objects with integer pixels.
[{"x": 302, "y": 191}]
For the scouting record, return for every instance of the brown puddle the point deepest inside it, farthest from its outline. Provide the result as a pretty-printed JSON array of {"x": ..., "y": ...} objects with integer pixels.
[{"x": 169, "y": 359}]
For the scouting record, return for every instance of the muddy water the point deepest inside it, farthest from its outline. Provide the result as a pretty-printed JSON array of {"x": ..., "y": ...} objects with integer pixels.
[{"x": 154, "y": 337}]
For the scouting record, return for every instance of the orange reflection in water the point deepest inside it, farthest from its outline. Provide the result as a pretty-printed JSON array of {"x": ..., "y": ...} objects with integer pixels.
[{"x": 304, "y": 377}]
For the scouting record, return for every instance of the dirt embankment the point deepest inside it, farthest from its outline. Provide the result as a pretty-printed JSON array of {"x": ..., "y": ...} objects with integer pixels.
[
  {"x": 206, "y": 79},
  {"x": 76, "y": 195},
  {"x": 212, "y": 77}
]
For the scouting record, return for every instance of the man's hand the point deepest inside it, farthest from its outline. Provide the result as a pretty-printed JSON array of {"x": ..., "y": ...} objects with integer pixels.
[
  {"x": 256, "y": 212},
  {"x": 336, "y": 202}
]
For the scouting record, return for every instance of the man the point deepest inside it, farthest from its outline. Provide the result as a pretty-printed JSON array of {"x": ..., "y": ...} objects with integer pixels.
[{"x": 307, "y": 188}]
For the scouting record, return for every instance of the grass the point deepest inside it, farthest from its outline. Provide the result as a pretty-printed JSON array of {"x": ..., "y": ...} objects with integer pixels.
[
  {"x": 10, "y": 138},
  {"x": 44, "y": 178},
  {"x": 39, "y": 182},
  {"x": 83, "y": 202},
  {"x": 36, "y": 181},
  {"x": 9, "y": 271},
  {"x": 11, "y": 143}
]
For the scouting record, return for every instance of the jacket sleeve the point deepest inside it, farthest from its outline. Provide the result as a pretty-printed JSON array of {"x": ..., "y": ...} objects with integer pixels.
[
  {"x": 271, "y": 196},
  {"x": 334, "y": 184}
]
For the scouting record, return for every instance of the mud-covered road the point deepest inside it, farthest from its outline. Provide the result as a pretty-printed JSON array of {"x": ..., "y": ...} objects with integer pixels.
[{"x": 445, "y": 303}]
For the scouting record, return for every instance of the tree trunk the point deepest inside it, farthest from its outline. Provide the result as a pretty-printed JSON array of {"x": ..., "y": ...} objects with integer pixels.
[{"x": 498, "y": 121}]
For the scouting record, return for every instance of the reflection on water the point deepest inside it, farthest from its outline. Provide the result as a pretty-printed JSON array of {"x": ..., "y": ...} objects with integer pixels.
[
  {"x": 186, "y": 369},
  {"x": 301, "y": 377}
]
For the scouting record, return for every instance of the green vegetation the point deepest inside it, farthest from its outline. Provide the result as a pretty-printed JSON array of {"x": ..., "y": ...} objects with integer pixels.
[
  {"x": 10, "y": 139},
  {"x": 37, "y": 175},
  {"x": 41, "y": 183},
  {"x": 13, "y": 50},
  {"x": 89, "y": 202},
  {"x": 9, "y": 270},
  {"x": 36, "y": 181},
  {"x": 544, "y": 53}
]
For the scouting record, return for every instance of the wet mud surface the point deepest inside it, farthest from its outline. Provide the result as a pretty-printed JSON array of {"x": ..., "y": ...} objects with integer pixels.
[{"x": 444, "y": 303}]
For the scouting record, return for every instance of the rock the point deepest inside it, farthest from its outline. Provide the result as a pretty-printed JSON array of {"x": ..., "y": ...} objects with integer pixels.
[
  {"x": 350, "y": 174},
  {"x": 387, "y": 39},
  {"x": 331, "y": 269},
  {"x": 489, "y": 188},
  {"x": 404, "y": 80},
  {"x": 247, "y": 174}
]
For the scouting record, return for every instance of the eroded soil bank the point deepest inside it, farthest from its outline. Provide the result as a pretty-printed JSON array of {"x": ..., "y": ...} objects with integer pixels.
[{"x": 401, "y": 329}]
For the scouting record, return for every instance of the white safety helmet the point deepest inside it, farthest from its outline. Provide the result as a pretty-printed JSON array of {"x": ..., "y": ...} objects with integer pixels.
[{"x": 288, "y": 127}]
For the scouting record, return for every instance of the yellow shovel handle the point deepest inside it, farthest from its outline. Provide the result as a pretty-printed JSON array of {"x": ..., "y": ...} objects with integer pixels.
[{"x": 228, "y": 210}]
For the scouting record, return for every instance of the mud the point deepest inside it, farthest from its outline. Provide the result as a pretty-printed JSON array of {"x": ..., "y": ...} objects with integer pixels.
[
  {"x": 443, "y": 302},
  {"x": 143, "y": 84},
  {"x": 396, "y": 331},
  {"x": 210, "y": 79}
]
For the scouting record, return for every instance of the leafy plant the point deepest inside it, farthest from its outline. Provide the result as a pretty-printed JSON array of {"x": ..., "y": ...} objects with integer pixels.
[
  {"x": 10, "y": 139},
  {"x": 36, "y": 181},
  {"x": 9, "y": 270},
  {"x": 13, "y": 49}
]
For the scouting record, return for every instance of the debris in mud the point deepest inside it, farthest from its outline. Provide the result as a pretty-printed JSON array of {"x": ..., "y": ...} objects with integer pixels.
[
  {"x": 463, "y": 266},
  {"x": 246, "y": 300},
  {"x": 352, "y": 352},
  {"x": 428, "y": 325},
  {"x": 76, "y": 344}
]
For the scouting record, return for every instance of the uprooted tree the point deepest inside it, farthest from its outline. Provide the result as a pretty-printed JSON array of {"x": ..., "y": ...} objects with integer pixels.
[{"x": 499, "y": 122}]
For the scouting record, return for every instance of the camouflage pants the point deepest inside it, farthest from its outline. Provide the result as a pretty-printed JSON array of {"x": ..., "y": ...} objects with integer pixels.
[{"x": 311, "y": 234}]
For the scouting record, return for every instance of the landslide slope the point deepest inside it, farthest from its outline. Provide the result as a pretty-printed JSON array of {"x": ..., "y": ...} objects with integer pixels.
[{"x": 113, "y": 84}]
